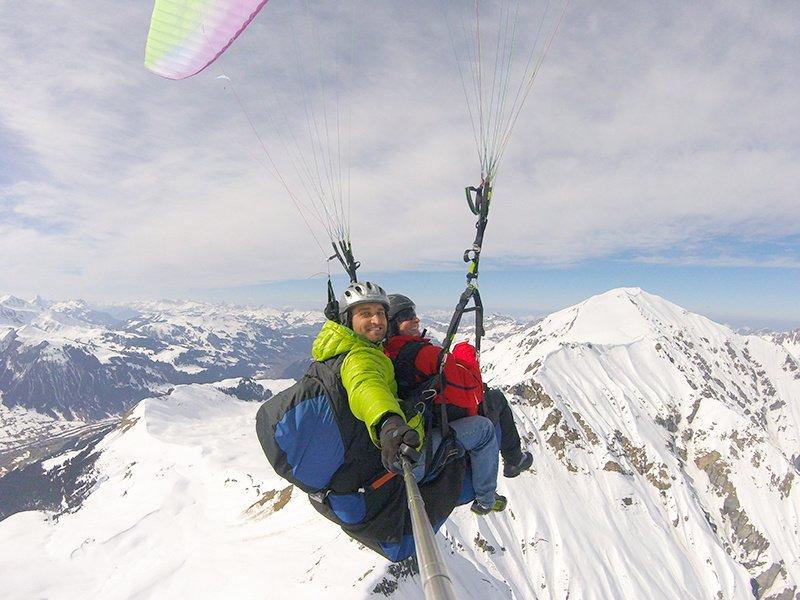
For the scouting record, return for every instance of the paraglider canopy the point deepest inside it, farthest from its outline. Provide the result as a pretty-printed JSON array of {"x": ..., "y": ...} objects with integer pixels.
[
  {"x": 311, "y": 161},
  {"x": 188, "y": 35}
]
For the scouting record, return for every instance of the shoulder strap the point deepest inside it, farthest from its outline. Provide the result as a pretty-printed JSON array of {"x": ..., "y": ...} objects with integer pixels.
[
  {"x": 405, "y": 369},
  {"x": 327, "y": 373}
]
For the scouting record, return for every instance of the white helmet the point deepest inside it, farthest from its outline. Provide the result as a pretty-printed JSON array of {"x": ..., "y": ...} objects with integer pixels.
[{"x": 361, "y": 292}]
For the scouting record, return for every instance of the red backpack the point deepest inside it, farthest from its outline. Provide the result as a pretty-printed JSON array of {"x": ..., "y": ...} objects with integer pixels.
[{"x": 462, "y": 383}]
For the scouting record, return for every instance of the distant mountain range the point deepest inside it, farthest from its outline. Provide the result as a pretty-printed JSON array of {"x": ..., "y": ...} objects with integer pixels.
[
  {"x": 667, "y": 457},
  {"x": 63, "y": 364}
]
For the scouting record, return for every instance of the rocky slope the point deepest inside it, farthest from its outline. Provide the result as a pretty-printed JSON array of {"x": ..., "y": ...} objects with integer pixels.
[{"x": 789, "y": 340}]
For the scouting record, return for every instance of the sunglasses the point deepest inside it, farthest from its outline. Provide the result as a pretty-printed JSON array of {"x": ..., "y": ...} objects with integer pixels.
[{"x": 405, "y": 315}]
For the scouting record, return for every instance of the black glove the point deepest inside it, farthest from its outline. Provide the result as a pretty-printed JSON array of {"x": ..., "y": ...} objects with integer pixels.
[
  {"x": 332, "y": 307},
  {"x": 332, "y": 311},
  {"x": 398, "y": 439}
]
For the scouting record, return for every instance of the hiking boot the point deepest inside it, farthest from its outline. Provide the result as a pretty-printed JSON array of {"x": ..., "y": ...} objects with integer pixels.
[
  {"x": 499, "y": 505},
  {"x": 512, "y": 470}
]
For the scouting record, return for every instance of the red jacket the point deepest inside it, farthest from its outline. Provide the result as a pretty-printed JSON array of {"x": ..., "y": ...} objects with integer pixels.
[{"x": 464, "y": 385}]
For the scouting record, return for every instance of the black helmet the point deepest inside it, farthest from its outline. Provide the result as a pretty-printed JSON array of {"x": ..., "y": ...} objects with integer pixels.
[
  {"x": 360, "y": 292},
  {"x": 398, "y": 303}
]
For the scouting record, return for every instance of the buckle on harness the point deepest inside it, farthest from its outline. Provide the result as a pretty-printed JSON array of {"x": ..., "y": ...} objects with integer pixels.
[
  {"x": 319, "y": 497},
  {"x": 429, "y": 394}
]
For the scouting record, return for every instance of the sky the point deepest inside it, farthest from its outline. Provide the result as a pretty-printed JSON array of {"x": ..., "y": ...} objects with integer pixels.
[{"x": 659, "y": 148}]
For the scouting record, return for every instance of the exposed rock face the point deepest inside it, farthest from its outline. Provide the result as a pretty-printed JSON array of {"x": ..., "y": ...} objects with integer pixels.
[
  {"x": 247, "y": 389},
  {"x": 533, "y": 392},
  {"x": 58, "y": 485},
  {"x": 791, "y": 342},
  {"x": 743, "y": 535},
  {"x": 270, "y": 502}
]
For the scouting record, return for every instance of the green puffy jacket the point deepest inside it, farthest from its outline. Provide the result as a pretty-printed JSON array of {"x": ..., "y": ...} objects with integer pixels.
[{"x": 367, "y": 376}]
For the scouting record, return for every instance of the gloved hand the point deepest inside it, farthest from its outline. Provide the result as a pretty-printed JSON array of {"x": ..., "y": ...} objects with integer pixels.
[{"x": 398, "y": 439}]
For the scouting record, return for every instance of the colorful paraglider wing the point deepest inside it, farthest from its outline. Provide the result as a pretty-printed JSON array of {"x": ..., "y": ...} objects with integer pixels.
[{"x": 188, "y": 35}]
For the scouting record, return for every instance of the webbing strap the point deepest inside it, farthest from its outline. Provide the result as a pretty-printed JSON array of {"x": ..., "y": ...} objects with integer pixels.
[
  {"x": 479, "y": 205},
  {"x": 383, "y": 479},
  {"x": 449, "y": 449},
  {"x": 405, "y": 367}
]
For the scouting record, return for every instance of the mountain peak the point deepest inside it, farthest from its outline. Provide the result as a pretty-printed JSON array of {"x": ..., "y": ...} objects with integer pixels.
[
  {"x": 619, "y": 316},
  {"x": 626, "y": 315},
  {"x": 12, "y": 301}
]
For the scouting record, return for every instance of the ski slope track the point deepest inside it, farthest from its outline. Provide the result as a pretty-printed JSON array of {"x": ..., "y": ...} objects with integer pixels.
[{"x": 666, "y": 463}]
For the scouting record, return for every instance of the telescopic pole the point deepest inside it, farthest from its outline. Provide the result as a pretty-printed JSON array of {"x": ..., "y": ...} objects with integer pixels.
[{"x": 436, "y": 582}]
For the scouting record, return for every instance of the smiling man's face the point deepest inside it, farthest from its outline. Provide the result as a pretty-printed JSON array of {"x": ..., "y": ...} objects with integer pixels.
[
  {"x": 369, "y": 321},
  {"x": 409, "y": 326}
]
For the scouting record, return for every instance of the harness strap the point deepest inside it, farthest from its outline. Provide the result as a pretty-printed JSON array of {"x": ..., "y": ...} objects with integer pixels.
[
  {"x": 449, "y": 449},
  {"x": 376, "y": 484},
  {"x": 382, "y": 480},
  {"x": 405, "y": 367},
  {"x": 479, "y": 207},
  {"x": 425, "y": 390},
  {"x": 463, "y": 387}
]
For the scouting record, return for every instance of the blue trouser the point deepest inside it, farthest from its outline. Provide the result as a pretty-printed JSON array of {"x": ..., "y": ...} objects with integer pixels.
[{"x": 477, "y": 436}]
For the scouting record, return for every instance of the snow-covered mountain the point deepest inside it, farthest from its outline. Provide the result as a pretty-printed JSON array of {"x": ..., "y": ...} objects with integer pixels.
[
  {"x": 66, "y": 363},
  {"x": 695, "y": 426},
  {"x": 667, "y": 449},
  {"x": 214, "y": 341}
]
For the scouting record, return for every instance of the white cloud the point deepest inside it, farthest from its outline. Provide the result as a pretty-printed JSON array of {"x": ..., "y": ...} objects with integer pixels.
[{"x": 651, "y": 127}]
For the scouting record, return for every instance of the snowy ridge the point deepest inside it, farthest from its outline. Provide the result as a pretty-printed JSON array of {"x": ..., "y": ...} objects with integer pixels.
[
  {"x": 186, "y": 502},
  {"x": 666, "y": 455},
  {"x": 185, "y": 505}
]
